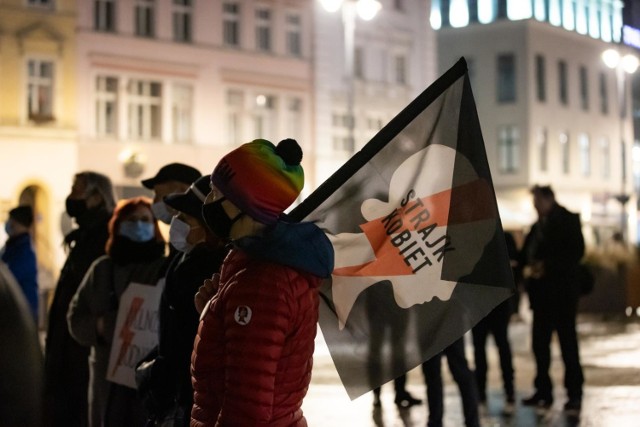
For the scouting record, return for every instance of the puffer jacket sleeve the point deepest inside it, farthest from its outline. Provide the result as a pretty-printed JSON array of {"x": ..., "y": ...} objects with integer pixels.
[
  {"x": 253, "y": 349},
  {"x": 90, "y": 302}
]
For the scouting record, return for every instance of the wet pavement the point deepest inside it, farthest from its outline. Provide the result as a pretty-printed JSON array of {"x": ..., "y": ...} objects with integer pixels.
[{"x": 610, "y": 355}]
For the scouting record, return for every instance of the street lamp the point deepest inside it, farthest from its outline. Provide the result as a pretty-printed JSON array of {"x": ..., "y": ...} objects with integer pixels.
[
  {"x": 366, "y": 10},
  {"x": 627, "y": 64}
]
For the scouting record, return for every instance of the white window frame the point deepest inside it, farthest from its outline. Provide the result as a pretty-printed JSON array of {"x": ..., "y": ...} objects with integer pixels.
[
  {"x": 565, "y": 153},
  {"x": 231, "y": 24},
  {"x": 182, "y": 13},
  {"x": 235, "y": 99},
  {"x": 104, "y": 99},
  {"x": 293, "y": 29},
  {"x": 543, "y": 150},
  {"x": 100, "y": 15},
  {"x": 508, "y": 149},
  {"x": 35, "y": 83},
  {"x": 145, "y": 18},
  {"x": 140, "y": 110},
  {"x": 264, "y": 42},
  {"x": 182, "y": 112},
  {"x": 584, "y": 145}
]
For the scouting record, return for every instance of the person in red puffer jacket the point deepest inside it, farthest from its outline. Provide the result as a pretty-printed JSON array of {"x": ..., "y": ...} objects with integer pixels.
[{"x": 252, "y": 357}]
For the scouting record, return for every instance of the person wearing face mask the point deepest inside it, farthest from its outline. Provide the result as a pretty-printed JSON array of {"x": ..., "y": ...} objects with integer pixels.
[
  {"x": 166, "y": 386},
  {"x": 19, "y": 255},
  {"x": 251, "y": 363},
  {"x": 90, "y": 204},
  {"x": 135, "y": 253}
]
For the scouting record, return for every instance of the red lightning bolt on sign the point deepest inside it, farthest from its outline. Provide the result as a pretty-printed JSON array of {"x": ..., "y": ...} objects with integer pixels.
[{"x": 126, "y": 333}]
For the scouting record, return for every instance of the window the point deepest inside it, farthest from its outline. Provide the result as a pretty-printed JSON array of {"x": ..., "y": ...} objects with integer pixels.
[
  {"x": 106, "y": 105},
  {"x": 604, "y": 96},
  {"x": 40, "y": 90},
  {"x": 585, "y": 154},
  {"x": 45, "y": 4},
  {"x": 606, "y": 158},
  {"x": 562, "y": 83},
  {"x": 506, "y": 78},
  {"x": 231, "y": 24},
  {"x": 294, "y": 34},
  {"x": 181, "y": 112},
  {"x": 104, "y": 15},
  {"x": 400, "y": 62},
  {"x": 543, "y": 150},
  {"x": 358, "y": 62},
  {"x": 584, "y": 88},
  {"x": 541, "y": 79},
  {"x": 565, "y": 153},
  {"x": 145, "y": 100},
  {"x": 182, "y": 10},
  {"x": 263, "y": 29},
  {"x": 294, "y": 121},
  {"x": 235, "y": 105},
  {"x": 144, "y": 18},
  {"x": 264, "y": 116},
  {"x": 508, "y": 149}
]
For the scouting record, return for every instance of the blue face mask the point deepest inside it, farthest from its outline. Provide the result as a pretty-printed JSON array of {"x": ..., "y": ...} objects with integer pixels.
[
  {"x": 138, "y": 231},
  {"x": 7, "y": 228}
]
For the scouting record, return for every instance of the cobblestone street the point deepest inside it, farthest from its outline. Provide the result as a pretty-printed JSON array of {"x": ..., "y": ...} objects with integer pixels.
[{"x": 610, "y": 354}]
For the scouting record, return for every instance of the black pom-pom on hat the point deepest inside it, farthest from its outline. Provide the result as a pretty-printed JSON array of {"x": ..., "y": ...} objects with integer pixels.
[{"x": 290, "y": 151}]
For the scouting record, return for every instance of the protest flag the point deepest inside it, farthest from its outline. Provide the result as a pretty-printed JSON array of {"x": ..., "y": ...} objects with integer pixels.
[{"x": 420, "y": 254}]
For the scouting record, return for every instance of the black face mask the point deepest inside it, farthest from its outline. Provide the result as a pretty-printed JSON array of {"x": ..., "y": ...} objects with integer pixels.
[
  {"x": 217, "y": 219},
  {"x": 76, "y": 207}
]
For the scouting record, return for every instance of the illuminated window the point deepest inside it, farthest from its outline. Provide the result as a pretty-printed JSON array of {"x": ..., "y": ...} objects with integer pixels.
[
  {"x": 555, "y": 16},
  {"x": 486, "y": 11},
  {"x": 264, "y": 116},
  {"x": 518, "y": 9},
  {"x": 106, "y": 105},
  {"x": 40, "y": 90},
  {"x": 182, "y": 112},
  {"x": 585, "y": 154},
  {"x": 508, "y": 149},
  {"x": 568, "y": 15},
  {"x": 459, "y": 13},
  {"x": 144, "y": 104}
]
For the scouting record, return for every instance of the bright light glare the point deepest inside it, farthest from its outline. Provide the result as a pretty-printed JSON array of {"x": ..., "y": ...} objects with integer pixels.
[
  {"x": 611, "y": 58},
  {"x": 368, "y": 9},
  {"x": 331, "y": 5},
  {"x": 459, "y": 14},
  {"x": 261, "y": 100},
  {"x": 629, "y": 63}
]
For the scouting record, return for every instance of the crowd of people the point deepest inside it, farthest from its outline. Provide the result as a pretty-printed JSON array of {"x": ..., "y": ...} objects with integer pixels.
[{"x": 235, "y": 274}]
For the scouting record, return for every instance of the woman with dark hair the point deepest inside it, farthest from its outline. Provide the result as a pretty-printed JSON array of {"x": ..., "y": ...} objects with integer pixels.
[
  {"x": 66, "y": 374},
  {"x": 135, "y": 252}
]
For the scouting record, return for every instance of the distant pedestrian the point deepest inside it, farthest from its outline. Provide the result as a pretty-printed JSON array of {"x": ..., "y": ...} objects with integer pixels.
[
  {"x": 496, "y": 323},
  {"x": 462, "y": 375},
  {"x": 551, "y": 254},
  {"x": 19, "y": 255},
  {"x": 173, "y": 178},
  {"x": 135, "y": 253},
  {"x": 252, "y": 359},
  {"x": 166, "y": 388},
  {"x": 90, "y": 203}
]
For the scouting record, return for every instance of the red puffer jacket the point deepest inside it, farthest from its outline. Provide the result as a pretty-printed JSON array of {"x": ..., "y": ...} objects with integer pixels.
[{"x": 252, "y": 358}]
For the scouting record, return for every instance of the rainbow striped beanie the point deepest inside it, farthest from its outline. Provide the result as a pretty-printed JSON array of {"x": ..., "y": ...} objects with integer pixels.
[{"x": 262, "y": 180}]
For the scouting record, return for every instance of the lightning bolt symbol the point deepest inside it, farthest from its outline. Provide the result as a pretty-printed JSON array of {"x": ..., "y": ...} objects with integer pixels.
[{"x": 126, "y": 334}]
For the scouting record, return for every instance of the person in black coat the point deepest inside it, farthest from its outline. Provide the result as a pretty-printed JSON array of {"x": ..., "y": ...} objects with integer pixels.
[
  {"x": 166, "y": 388},
  {"x": 90, "y": 203},
  {"x": 551, "y": 255},
  {"x": 19, "y": 255}
]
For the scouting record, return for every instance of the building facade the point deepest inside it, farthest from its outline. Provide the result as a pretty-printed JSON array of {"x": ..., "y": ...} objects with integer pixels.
[
  {"x": 38, "y": 118},
  {"x": 551, "y": 111}
]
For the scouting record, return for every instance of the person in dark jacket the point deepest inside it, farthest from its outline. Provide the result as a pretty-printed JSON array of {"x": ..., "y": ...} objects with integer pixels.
[
  {"x": 252, "y": 358},
  {"x": 167, "y": 389},
  {"x": 19, "y": 255},
  {"x": 21, "y": 361},
  {"x": 551, "y": 254},
  {"x": 90, "y": 203}
]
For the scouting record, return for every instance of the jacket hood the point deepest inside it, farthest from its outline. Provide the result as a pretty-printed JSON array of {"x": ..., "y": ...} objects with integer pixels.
[{"x": 302, "y": 246}]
